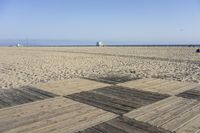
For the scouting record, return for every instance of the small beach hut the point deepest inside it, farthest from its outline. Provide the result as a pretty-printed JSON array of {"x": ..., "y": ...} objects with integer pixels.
[
  {"x": 18, "y": 45},
  {"x": 99, "y": 44}
]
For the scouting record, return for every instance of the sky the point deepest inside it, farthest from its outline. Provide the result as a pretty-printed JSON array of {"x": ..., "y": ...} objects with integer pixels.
[{"x": 136, "y": 21}]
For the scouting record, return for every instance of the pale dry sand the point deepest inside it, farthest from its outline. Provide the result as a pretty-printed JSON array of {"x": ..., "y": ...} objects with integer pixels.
[{"x": 29, "y": 66}]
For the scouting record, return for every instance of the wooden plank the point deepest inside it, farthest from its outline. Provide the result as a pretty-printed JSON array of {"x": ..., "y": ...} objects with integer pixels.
[
  {"x": 37, "y": 120},
  {"x": 37, "y": 91},
  {"x": 37, "y": 125},
  {"x": 146, "y": 84},
  {"x": 96, "y": 120},
  {"x": 124, "y": 125},
  {"x": 34, "y": 106},
  {"x": 100, "y": 103},
  {"x": 152, "y": 85},
  {"x": 10, "y": 97},
  {"x": 182, "y": 118},
  {"x": 124, "y": 101},
  {"x": 67, "y": 115},
  {"x": 159, "y": 111},
  {"x": 27, "y": 95},
  {"x": 90, "y": 130},
  {"x": 168, "y": 116},
  {"x": 104, "y": 127},
  {"x": 175, "y": 88},
  {"x": 65, "y": 124},
  {"x": 138, "y": 82},
  {"x": 132, "y": 93},
  {"x": 70, "y": 86},
  {"x": 128, "y": 127},
  {"x": 160, "y": 86},
  {"x": 191, "y": 94},
  {"x": 51, "y": 115},
  {"x": 144, "y": 126},
  {"x": 136, "y": 97},
  {"x": 37, "y": 116},
  {"x": 107, "y": 100},
  {"x": 143, "y": 110},
  {"x": 191, "y": 126},
  {"x": 184, "y": 88},
  {"x": 165, "y": 88},
  {"x": 172, "y": 114},
  {"x": 117, "y": 99},
  {"x": 17, "y": 96},
  {"x": 168, "y": 87}
]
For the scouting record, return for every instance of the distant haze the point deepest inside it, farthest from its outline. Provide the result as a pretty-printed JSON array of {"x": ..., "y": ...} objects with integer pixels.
[{"x": 111, "y": 21}]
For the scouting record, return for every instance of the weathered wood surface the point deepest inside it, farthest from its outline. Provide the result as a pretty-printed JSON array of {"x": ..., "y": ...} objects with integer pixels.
[
  {"x": 150, "y": 109},
  {"x": 191, "y": 94},
  {"x": 174, "y": 114},
  {"x": 117, "y": 99},
  {"x": 192, "y": 126},
  {"x": 70, "y": 86},
  {"x": 160, "y": 86},
  {"x": 26, "y": 94},
  {"x": 55, "y": 115},
  {"x": 112, "y": 79},
  {"x": 122, "y": 125}
]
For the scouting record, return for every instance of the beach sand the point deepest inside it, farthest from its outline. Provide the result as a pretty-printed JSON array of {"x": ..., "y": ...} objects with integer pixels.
[{"x": 32, "y": 65}]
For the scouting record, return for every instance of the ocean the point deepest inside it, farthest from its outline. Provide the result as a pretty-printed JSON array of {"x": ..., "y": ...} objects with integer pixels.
[{"x": 68, "y": 43}]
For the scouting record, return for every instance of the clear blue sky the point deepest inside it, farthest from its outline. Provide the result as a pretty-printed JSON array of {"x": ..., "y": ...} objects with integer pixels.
[{"x": 139, "y": 21}]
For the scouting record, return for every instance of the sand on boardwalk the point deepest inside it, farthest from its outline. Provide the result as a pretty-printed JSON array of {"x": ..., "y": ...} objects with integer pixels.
[{"x": 33, "y": 65}]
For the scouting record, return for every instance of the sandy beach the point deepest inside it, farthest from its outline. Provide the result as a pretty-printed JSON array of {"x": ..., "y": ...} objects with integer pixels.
[{"x": 32, "y": 65}]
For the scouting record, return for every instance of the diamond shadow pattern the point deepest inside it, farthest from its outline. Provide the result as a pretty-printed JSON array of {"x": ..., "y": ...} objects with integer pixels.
[
  {"x": 123, "y": 125},
  {"x": 117, "y": 99},
  {"x": 25, "y": 94},
  {"x": 191, "y": 94}
]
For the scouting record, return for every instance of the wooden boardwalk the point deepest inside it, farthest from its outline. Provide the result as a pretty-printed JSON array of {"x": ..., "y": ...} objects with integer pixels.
[
  {"x": 88, "y": 106},
  {"x": 67, "y": 87},
  {"x": 26, "y": 94},
  {"x": 117, "y": 99},
  {"x": 160, "y": 86},
  {"x": 55, "y": 115},
  {"x": 191, "y": 94},
  {"x": 174, "y": 114},
  {"x": 123, "y": 125}
]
